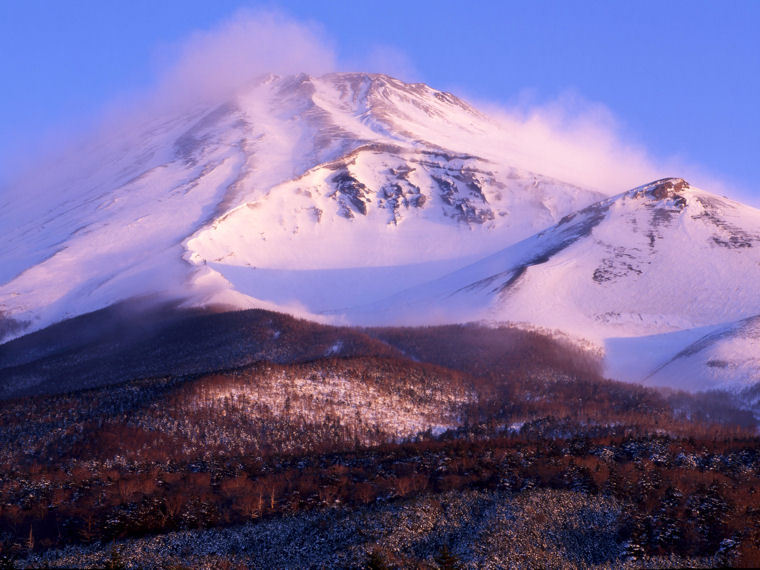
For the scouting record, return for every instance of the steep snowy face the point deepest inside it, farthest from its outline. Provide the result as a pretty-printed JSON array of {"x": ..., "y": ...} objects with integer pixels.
[
  {"x": 293, "y": 174},
  {"x": 659, "y": 258},
  {"x": 82, "y": 237},
  {"x": 667, "y": 257},
  {"x": 381, "y": 173}
]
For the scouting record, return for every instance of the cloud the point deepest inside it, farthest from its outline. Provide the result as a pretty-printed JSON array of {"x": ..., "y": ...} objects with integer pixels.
[
  {"x": 570, "y": 137},
  {"x": 582, "y": 142},
  {"x": 212, "y": 63},
  {"x": 386, "y": 59}
]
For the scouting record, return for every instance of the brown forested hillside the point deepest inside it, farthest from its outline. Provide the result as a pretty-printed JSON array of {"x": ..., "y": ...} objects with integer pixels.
[{"x": 370, "y": 422}]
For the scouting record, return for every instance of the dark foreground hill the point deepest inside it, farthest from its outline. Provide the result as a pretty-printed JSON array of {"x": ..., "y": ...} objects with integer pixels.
[{"x": 495, "y": 445}]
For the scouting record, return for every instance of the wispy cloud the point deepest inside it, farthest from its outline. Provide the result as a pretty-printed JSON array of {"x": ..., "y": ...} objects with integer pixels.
[
  {"x": 583, "y": 142},
  {"x": 569, "y": 138},
  {"x": 387, "y": 59}
]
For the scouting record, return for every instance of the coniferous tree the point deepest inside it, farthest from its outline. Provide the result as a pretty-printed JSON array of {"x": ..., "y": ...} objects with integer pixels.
[
  {"x": 375, "y": 561},
  {"x": 446, "y": 560}
]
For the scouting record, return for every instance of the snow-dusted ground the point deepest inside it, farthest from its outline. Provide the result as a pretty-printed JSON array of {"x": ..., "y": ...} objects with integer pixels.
[{"x": 311, "y": 397}]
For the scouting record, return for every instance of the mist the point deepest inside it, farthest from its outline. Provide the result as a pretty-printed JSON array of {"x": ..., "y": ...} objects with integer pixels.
[{"x": 205, "y": 68}]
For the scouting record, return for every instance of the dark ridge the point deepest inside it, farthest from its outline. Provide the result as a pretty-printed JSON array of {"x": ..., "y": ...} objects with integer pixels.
[
  {"x": 9, "y": 326},
  {"x": 482, "y": 351},
  {"x": 142, "y": 340},
  {"x": 570, "y": 229}
]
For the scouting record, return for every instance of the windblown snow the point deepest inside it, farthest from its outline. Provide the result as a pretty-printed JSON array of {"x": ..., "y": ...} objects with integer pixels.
[
  {"x": 366, "y": 200},
  {"x": 279, "y": 197}
]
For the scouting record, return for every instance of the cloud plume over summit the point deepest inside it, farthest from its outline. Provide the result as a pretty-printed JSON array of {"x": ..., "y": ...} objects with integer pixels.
[
  {"x": 569, "y": 139},
  {"x": 212, "y": 63}
]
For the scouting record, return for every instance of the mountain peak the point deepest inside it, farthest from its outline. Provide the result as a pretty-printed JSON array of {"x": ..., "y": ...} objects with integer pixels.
[
  {"x": 666, "y": 192},
  {"x": 662, "y": 189}
]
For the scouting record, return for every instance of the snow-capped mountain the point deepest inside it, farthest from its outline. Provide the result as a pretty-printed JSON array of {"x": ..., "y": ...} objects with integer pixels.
[
  {"x": 317, "y": 192},
  {"x": 365, "y": 200}
]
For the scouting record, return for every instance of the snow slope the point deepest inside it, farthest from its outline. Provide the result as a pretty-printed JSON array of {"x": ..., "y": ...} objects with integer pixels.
[
  {"x": 292, "y": 174},
  {"x": 725, "y": 355},
  {"x": 657, "y": 276}
]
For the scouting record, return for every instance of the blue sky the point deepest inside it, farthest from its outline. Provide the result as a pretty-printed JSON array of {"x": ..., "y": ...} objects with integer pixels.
[{"x": 682, "y": 79}]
